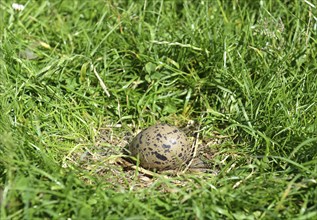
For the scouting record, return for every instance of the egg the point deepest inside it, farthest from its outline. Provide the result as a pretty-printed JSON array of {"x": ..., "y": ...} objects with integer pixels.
[{"x": 161, "y": 147}]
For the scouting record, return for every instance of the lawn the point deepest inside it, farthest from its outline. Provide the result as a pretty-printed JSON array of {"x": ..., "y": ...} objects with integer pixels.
[{"x": 79, "y": 79}]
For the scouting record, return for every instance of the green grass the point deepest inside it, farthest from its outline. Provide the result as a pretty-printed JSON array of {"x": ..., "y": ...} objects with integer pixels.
[{"x": 244, "y": 72}]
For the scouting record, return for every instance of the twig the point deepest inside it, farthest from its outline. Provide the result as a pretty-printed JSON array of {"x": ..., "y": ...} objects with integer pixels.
[
  {"x": 104, "y": 87},
  {"x": 195, "y": 147},
  {"x": 179, "y": 44},
  {"x": 138, "y": 168}
]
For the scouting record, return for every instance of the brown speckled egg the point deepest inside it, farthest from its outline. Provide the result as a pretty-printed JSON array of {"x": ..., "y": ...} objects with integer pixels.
[{"x": 161, "y": 147}]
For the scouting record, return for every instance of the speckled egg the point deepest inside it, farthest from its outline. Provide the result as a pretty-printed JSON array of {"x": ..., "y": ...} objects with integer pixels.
[{"x": 161, "y": 147}]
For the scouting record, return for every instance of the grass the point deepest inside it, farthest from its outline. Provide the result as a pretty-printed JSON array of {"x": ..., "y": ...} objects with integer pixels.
[{"x": 80, "y": 78}]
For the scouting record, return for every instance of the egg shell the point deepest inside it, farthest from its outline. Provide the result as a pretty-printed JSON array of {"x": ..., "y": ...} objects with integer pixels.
[{"x": 161, "y": 147}]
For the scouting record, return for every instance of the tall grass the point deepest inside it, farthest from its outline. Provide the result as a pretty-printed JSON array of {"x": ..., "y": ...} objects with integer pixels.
[{"x": 80, "y": 78}]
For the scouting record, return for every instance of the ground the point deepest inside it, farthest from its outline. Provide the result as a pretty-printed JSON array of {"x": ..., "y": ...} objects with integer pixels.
[{"x": 79, "y": 79}]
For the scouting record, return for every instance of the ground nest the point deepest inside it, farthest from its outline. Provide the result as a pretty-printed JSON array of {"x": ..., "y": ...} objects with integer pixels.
[{"x": 107, "y": 158}]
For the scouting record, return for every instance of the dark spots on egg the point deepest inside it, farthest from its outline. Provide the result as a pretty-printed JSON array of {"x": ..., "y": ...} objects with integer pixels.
[
  {"x": 160, "y": 156},
  {"x": 166, "y": 146},
  {"x": 159, "y": 135},
  {"x": 140, "y": 139}
]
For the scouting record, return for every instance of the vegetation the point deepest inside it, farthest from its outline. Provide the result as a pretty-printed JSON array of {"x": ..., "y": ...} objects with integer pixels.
[{"x": 80, "y": 78}]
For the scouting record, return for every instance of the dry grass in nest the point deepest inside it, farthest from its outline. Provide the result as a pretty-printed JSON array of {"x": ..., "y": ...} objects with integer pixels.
[{"x": 106, "y": 160}]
